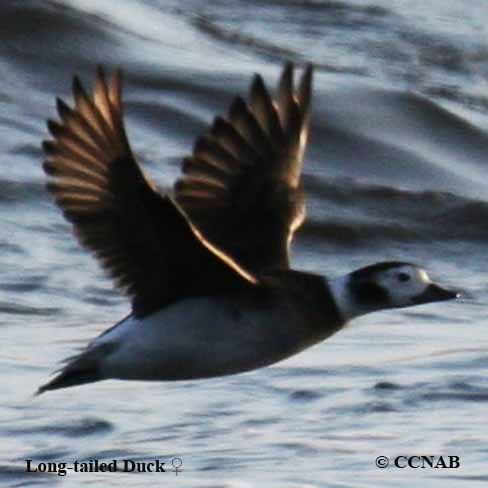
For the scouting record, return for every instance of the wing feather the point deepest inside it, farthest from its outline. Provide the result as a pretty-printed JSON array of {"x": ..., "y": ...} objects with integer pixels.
[
  {"x": 142, "y": 239},
  {"x": 254, "y": 157}
]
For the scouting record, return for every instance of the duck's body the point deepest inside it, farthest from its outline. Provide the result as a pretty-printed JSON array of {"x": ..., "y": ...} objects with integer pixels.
[
  {"x": 202, "y": 338},
  {"x": 214, "y": 336},
  {"x": 207, "y": 274}
]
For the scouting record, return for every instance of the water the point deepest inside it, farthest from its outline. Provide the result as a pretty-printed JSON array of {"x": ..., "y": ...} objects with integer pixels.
[{"x": 396, "y": 169}]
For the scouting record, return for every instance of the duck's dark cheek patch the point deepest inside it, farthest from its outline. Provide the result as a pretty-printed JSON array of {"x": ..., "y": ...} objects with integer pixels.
[{"x": 370, "y": 294}]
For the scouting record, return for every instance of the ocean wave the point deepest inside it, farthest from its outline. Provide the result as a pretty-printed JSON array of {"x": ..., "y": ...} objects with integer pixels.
[
  {"x": 350, "y": 213},
  {"x": 14, "y": 192}
]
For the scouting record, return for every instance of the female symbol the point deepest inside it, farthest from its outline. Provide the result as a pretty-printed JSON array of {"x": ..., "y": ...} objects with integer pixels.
[{"x": 176, "y": 463}]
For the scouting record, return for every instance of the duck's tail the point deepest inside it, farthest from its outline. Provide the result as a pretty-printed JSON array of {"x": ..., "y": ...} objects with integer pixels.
[{"x": 80, "y": 369}]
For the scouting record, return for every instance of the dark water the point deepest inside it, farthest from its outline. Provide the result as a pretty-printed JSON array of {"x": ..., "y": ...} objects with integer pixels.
[{"x": 396, "y": 169}]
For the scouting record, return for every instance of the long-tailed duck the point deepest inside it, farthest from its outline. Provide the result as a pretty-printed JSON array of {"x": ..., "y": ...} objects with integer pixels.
[{"x": 206, "y": 268}]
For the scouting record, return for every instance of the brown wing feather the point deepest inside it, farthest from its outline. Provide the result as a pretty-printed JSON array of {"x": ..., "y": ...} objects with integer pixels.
[
  {"x": 143, "y": 240},
  {"x": 242, "y": 184}
]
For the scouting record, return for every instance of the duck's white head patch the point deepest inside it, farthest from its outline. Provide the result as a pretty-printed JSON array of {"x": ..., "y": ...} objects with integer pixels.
[{"x": 390, "y": 284}]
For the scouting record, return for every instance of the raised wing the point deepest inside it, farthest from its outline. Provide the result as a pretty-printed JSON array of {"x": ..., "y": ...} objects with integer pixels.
[
  {"x": 142, "y": 239},
  {"x": 242, "y": 185}
]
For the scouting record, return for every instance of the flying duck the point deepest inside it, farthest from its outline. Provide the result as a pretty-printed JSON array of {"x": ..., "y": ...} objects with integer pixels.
[{"x": 206, "y": 268}]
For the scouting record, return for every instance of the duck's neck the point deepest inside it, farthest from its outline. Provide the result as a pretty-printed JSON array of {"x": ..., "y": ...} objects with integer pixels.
[{"x": 344, "y": 299}]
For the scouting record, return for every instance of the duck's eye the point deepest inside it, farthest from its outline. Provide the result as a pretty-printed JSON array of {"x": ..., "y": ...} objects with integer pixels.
[{"x": 403, "y": 277}]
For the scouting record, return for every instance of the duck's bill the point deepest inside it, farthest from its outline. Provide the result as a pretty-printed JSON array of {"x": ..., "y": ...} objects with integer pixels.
[{"x": 435, "y": 293}]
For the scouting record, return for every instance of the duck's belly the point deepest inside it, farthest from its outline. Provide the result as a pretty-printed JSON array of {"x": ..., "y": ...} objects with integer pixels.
[{"x": 201, "y": 338}]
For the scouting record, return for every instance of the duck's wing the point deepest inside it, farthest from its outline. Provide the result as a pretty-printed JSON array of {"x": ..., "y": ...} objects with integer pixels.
[
  {"x": 242, "y": 185},
  {"x": 141, "y": 238}
]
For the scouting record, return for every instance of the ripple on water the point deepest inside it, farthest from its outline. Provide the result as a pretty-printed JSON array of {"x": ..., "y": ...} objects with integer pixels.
[
  {"x": 305, "y": 395},
  {"x": 46, "y": 455},
  {"x": 73, "y": 428},
  {"x": 18, "y": 309},
  {"x": 16, "y": 476},
  {"x": 15, "y": 192},
  {"x": 260, "y": 422},
  {"x": 450, "y": 395},
  {"x": 25, "y": 283},
  {"x": 387, "y": 386},
  {"x": 445, "y": 392}
]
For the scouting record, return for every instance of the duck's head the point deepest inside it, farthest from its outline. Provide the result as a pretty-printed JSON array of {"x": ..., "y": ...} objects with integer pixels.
[{"x": 390, "y": 284}]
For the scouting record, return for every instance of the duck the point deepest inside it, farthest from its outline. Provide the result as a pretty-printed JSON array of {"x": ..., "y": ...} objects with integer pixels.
[{"x": 206, "y": 265}]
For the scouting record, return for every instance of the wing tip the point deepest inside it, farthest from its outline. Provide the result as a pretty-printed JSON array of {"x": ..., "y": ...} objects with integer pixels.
[
  {"x": 54, "y": 127},
  {"x": 100, "y": 72},
  {"x": 49, "y": 147},
  {"x": 306, "y": 82},
  {"x": 77, "y": 86},
  {"x": 285, "y": 82},
  {"x": 62, "y": 108},
  {"x": 257, "y": 84}
]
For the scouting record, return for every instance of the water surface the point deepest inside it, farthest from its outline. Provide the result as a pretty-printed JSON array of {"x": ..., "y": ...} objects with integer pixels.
[{"x": 396, "y": 169}]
